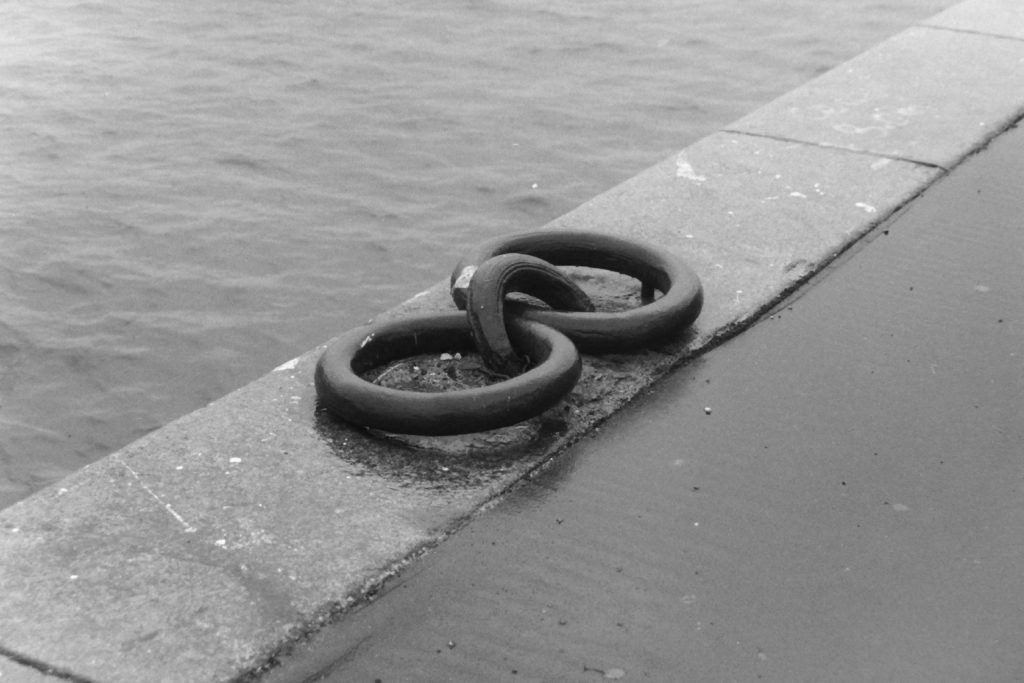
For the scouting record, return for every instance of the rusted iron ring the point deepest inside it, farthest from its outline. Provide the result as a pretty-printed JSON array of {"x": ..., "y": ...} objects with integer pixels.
[
  {"x": 653, "y": 322},
  {"x": 488, "y": 312},
  {"x": 349, "y": 397}
]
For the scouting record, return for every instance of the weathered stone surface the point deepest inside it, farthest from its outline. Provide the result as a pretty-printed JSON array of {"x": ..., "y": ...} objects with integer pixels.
[
  {"x": 12, "y": 672},
  {"x": 752, "y": 215},
  {"x": 927, "y": 95},
  {"x": 994, "y": 17}
]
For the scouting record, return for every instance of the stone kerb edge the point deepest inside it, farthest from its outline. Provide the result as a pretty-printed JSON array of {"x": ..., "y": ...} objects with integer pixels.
[{"x": 942, "y": 93}]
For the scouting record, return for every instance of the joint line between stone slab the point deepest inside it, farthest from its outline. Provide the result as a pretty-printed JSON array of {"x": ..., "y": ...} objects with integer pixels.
[
  {"x": 42, "y": 668},
  {"x": 825, "y": 145},
  {"x": 189, "y": 529},
  {"x": 983, "y": 34}
]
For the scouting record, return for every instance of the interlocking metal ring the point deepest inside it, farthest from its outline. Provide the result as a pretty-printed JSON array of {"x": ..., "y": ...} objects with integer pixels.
[
  {"x": 506, "y": 331},
  {"x": 486, "y": 305},
  {"x": 597, "y": 332},
  {"x": 348, "y": 396}
]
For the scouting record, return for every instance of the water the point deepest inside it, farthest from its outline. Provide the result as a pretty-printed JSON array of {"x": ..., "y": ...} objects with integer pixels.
[{"x": 190, "y": 195}]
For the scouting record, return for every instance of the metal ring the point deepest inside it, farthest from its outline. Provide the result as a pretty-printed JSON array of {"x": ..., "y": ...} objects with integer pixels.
[
  {"x": 348, "y": 396},
  {"x": 596, "y": 332},
  {"x": 486, "y": 305}
]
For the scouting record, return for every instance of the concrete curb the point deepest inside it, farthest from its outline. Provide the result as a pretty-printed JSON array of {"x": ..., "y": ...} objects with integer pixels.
[{"x": 199, "y": 552}]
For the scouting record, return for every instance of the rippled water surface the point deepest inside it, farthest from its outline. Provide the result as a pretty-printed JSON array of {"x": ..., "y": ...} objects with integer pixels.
[{"x": 191, "y": 194}]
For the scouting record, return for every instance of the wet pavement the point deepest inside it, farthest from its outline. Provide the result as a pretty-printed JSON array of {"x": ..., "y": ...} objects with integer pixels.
[{"x": 833, "y": 495}]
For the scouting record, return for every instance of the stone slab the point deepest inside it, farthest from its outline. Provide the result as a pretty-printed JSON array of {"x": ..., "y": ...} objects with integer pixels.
[
  {"x": 992, "y": 17},
  {"x": 926, "y": 95},
  {"x": 203, "y": 549},
  {"x": 755, "y": 216}
]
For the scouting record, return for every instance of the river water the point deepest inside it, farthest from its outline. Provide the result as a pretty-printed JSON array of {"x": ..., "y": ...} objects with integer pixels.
[{"x": 192, "y": 194}]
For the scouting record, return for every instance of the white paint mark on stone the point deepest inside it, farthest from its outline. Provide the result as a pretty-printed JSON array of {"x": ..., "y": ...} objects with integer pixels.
[
  {"x": 189, "y": 529},
  {"x": 290, "y": 365},
  {"x": 801, "y": 195},
  {"x": 366, "y": 341},
  {"x": 221, "y": 542},
  {"x": 685, "y": 170},
  {"x": 420, "y": 295},
  {"x": 883, "y": 122},
  {"x": 867, "y": 207},
  {"x": 817, "y": 112},
  {"x": 234, "y": 460}
]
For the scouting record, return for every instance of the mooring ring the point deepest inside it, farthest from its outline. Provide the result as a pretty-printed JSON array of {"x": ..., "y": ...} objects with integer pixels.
[
  {"x": 597, "y": 332},
  {"x": 348, "y": 396},
  {"x": 486, "y": 305}
]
